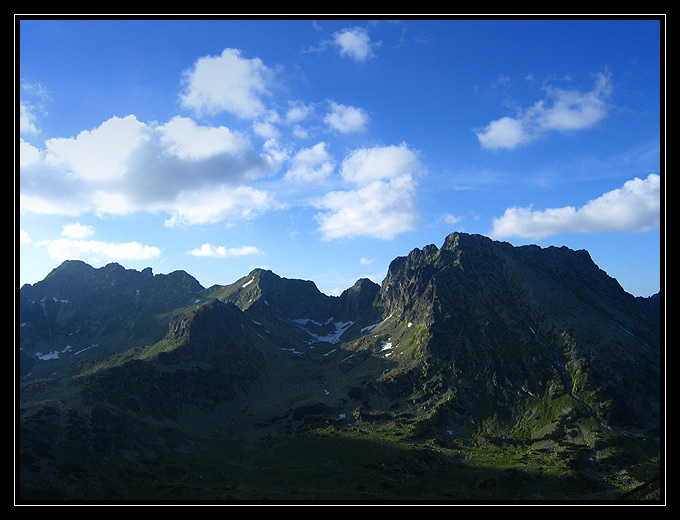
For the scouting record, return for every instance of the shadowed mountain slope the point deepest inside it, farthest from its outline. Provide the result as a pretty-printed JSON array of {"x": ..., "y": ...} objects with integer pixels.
[{"x": 475, "y": 356}]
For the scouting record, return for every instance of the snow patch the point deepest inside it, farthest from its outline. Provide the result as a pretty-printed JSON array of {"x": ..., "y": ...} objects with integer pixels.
[
  {"x": 371, "y": 327},
  {"x": 386, "y": 345},
  {"x": 53, "y": 355},
  {"x": 248, "y": 282},
  {"x": 304, "y": 321},
  {"x": 629, "y": 332},
  {"x": 332, "y": 337},
  {"x": 291, "y": 350},
  {"x": 44, "y": 357},
  {"x": 83, "y": 350}
]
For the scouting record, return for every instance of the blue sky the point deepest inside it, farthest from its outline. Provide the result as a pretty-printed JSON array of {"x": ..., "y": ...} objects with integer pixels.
[{"x": 323, "y": 148}]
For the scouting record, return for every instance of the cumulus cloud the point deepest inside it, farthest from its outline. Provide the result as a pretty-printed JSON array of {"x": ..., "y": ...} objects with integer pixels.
[
  {"x": 383, "y": 205},
  {"x": 346, "y": 119},
  {"x": 186, "y": 139},
  {"x": 100, "y": 154},
  {"x": 227, "y": 83},
  {"x": 633, "y": 207},
  {"x": 562, "y": 110},
  {"x": 195, "y": 174},
  {"x": 125, "y": 166},
  {"x": 210, "y": 250},
  {"x": 366, "y": 165},
  {"x": 77, "y": 230},
  {"x": 311, "y": 164},
  {"x": 298, "y": 111},
  {"x": 505, "y": 132},
  {"x": 354, "y": 43},
  {"x": 28, "y": 154},
  {"x": 382, "y": 209}
]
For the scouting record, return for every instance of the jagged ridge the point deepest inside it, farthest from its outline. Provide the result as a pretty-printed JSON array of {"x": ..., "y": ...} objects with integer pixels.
[{"x": 474, "y": 341}]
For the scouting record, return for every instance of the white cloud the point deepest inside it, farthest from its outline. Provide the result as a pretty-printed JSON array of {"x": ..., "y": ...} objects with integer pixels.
[
  {"x": 346, "y": 119},
  {"x": 77, "y": 230},
  {"x": 563, "y": 110},
  {"x": 633, "y": 207},
  {"x": 384, "y": 203},
  {"x": 184, "y": 138},
  {"x": 355, "y": 43},
  {"x": 210, "y": 250},
  {"x": 99, "y": 155},
  {"x": 366, "y": 261},
  {"x": 70, "y": 249},
  {"x": 74, "y": 247},
  {"x": 451, "y": 219},
  {"x": 573, "y": 110},
  {"x": 298, "y": 112},
  {"x": 32, "y": 109},
  {"x": 227, "y": 83},
  {"x": 212, "y": 205},
  {"x": 367, "y": 165},
  {"x": 265, "y": 129},
  {"x": 24, "y": 237},
  {"x": 27, "y": 119},
  {"x": 382, "y": 209},
  {"x": 311, "y": 164},
  {"x": 505, "y": 132},
  {"x": 28, "y": 154},
  {"x": 126, "y": 166}
]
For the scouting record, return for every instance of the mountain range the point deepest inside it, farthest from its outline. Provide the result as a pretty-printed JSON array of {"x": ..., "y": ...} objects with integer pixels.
[{"x": 476, "y": 371}]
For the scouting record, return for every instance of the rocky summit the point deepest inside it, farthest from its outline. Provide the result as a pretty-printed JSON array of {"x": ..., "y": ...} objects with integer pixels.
[{"x": 477, "y": 371}]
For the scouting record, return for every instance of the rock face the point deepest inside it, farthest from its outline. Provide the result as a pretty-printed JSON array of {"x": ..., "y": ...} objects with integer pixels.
[
  {"x": 475, "y": 342},
  {"x": 211, "y": 324},
  {"x": 527, "y": 320}
]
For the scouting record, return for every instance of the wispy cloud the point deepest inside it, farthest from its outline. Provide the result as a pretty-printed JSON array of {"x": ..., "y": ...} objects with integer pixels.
[
  {"x": 562, "y": 110},
  {"x": 31, "y": 106},
  {"x": 213, "y": 251}
]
